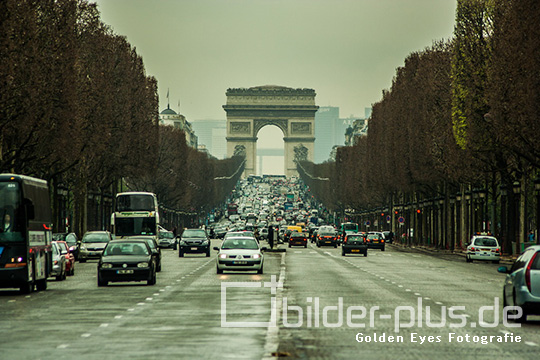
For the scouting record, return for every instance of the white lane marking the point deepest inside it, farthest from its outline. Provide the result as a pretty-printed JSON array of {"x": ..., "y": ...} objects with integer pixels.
[
  {"x": 11, "y": 301},
  {"x": 131, "y": 309},
  {"x": 530, "y": 343},
  {"x": 272, "y": 333},
  {"x": 149, "y": 299},
  {"x": 104, "y": 325},
  {"x": 86, "y": 335},
  {"x": 62, "y": 346},
  {"x": 438, "y": 302},
  {"x": 118, "y": 317}
]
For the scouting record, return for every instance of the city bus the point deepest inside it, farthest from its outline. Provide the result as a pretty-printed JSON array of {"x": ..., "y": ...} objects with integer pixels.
[
  {"x": 135, "y": 213},
  {"x": 25, "y": 233}
]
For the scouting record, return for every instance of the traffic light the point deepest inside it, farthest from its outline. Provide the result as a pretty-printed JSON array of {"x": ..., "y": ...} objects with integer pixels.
[{"x": 418, "y": 211}]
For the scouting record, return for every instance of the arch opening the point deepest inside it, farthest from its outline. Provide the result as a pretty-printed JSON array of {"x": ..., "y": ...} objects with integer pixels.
[{"x": 270, "y": 151}]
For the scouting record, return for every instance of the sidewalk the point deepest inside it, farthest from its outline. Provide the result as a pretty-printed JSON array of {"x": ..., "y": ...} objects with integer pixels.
[{"x": 505, "y": 259}]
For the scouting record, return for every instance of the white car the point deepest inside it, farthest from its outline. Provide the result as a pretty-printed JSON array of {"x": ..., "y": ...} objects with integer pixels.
[
  {"x": 484, "y": 247},
  {"x": 240, "y": 254}
]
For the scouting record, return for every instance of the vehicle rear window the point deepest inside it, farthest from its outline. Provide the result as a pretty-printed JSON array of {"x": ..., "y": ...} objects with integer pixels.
[
  {"x": 355, "y": 238},
  {"x": 485, "y": 242}
]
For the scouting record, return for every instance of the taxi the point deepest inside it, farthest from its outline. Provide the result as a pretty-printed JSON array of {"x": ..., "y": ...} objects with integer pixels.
[{"x": 483, "y": 247}]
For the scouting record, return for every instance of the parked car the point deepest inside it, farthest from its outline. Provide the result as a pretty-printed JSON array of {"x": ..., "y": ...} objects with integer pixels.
[
  {"x": 72, "y": 241},
  {"x": 298, "y": 239},
  {"x": 375, "y": 240},
  {"x": 126, "y": 260},
  {"x": 59, "y": 262},
  {"x": 194, "y": 241},
  {"x": 240, "y": 254},
  {"x": 522, "y": 284},
  {"x": 355, "y": 243},
  {"x": 92, "y": 244},
  {"x": 70, "y": 259},
  {"x": 483, "y": 247},
  {"x": 167, "y": 240}
]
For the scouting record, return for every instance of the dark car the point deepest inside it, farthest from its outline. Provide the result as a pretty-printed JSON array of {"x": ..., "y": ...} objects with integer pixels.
[
  {"x": 194, "y": 241},
  {"x": 298, "y": 239},
  {"x": 126, "y": 260},
  {"x": 72, "y": 241},
  {"x": 522, "y": 284},
  {"x": 354, "y": 244},
  {"x": 167, "y": 240},
  {"x": 375, "y": 240},
  {"x": 326, "y": 237},
  {"x": 152, "y": 243}
]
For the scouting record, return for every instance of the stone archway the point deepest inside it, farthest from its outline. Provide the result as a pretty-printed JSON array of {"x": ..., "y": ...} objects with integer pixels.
[{"x": 291, "y": 110}]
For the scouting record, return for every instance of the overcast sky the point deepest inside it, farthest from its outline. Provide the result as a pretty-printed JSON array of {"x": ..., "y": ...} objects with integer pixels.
[{"x": 347, "y": 50}]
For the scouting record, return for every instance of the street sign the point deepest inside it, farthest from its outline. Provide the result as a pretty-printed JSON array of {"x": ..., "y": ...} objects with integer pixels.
[{"x": 401, "y": 220}]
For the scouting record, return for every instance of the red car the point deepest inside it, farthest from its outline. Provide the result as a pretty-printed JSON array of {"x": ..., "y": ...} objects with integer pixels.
[
  {"x": 298, "y": 239},
  {"x": 70, "y": 258}
]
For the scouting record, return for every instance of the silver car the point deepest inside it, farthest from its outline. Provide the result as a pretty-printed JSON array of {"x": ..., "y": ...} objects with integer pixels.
[
  {"x": 240, "y": 254},
  {"x": 92, "y": 244},
  {"x": 522, "y": 284}
]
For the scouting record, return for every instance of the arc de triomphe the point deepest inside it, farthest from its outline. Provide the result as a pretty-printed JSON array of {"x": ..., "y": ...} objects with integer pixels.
[{"x": 291, "y": 110}]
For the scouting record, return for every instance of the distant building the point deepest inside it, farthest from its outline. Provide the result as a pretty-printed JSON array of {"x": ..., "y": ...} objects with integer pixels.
[
  {"x": 326, "y": 119},
  {"x": 213, "y": 134},
  {"x": 169, "y": 117}
]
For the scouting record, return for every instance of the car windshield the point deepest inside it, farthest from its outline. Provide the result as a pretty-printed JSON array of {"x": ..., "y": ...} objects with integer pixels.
[
  {"x": 166, "y": 235},
  {"x": 125, "y": 249},
  {"x": 485, "y": 242},
  {"x": 355, "y": 238},
  {"x": 373, "y": 236},
  {"x": 95, "y": 238},
  {"x": 326, "y": 233},
  {"x": 194, "y": 233},
  {"x": 249, "y": 244}
]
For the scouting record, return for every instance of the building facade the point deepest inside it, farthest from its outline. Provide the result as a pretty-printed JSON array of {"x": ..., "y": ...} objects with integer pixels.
[{"x": 169, "y": 117}]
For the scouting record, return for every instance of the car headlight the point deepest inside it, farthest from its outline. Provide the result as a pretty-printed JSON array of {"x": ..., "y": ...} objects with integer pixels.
[
  {"x": 205, "y": 242},
  {"x": 106, "y": 266},
  {"x": 83, "y": 247},
  {"x": 222, "y": 256},
  {"x": 142, "y": 265},
  {"x": 257, "y": 256}
]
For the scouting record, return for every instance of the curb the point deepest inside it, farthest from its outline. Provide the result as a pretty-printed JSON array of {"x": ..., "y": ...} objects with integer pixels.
[{"x": 459, "y": 253}]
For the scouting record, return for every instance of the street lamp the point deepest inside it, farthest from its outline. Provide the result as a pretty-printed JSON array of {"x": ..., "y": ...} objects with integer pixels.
[
  {"x": 516, "y": 188},
  {"x": 537, "y": 193}
]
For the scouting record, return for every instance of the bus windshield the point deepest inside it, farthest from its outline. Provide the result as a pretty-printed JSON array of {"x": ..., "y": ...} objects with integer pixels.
[
  {"x": 10, "y": 211},
  {"x": 135, "y": 226},
  {"x": 135, "y": 202}
]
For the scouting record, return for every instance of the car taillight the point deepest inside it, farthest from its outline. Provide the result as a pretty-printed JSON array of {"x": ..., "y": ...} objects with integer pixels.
[
  {"x": 472, "y": 249},
  {"x": 528, "y": 272},
  {"x": 382, "y": 241}
]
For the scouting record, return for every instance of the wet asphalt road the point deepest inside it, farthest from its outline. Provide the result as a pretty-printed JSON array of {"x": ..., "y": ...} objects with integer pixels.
[{"x": 327, "y": 299}]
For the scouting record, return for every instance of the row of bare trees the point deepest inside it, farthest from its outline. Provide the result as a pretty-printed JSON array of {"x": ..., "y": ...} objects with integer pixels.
[
  {"x": 461, "y": 117},
  {"x": 77, "y": 109}
]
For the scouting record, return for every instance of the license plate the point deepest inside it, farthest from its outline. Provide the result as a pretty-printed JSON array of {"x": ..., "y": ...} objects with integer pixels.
[
  {"x": 194, "y": 249},
  {"x": 239, "y": 262},
  {"x": 124, "y": 271},
  {"x": 355, "y": 250},
  {"x": 328, "y": 242}
]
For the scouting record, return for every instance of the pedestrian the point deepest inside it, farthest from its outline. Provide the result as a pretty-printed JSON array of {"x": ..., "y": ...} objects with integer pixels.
[
  {"x": 271, "y": 236},
  {"x": 531, "y": 236}
]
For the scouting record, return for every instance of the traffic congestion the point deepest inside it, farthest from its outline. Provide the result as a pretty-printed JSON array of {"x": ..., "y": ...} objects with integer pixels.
[{"x": 271, "y": 273}]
